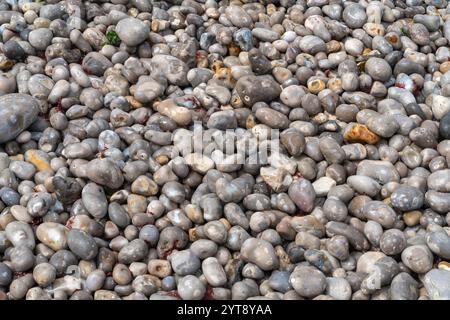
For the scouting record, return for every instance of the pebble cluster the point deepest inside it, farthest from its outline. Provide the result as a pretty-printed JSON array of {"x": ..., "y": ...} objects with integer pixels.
[{"x": 103, "y": 195}]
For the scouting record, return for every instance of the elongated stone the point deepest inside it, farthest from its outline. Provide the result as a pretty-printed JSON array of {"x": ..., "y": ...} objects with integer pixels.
[{"x": 17, "y": 112}]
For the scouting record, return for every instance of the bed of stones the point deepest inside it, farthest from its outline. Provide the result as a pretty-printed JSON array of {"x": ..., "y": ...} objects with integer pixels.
[{"x": 104, "y": 194}]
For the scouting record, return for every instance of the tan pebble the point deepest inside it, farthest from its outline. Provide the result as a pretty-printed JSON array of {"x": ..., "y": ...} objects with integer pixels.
[{"x": 159, "y": 268}]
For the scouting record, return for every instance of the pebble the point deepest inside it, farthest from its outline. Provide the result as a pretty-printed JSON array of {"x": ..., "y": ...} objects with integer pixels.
[
  {"x": 104, "y": 172},
  {"x": 308, "y": 282},
  {"x": 44, "y": 274},
  {"x": 312, "y": 44},
  {"x": 439, "y": 243},
  {"x": 380, "y": 212},
  {"x": 174, "y": 69},
  {"x": 272, "y": 118},
  {"x": 383, "y": 125},
  {"x": 364, "y": 185},
  {"x": 95, "y": 63},
  {"x": 303, "y": 194},
  {"x": 354, "y": 16},
  {"x": 213, "y": 271},
  {"x": 381, "y": 171},
  {"x": 392, "y": 242},
  {"x": 184, "y": 262},
  {"x": 354, "y": 236},
  {"x": 20, "y": 234},
  {"x": 258, "y": 62},
  {"x": 444, "y": 126},
  {"x": 94, "y": 200},
  {"x": 82, "y": 244},
  {"x": 14, "y": 120},
  {"x": 407, "y": 198},
  {"x": 198, "y": 150},
  {"x": 439, "y": 180},
  {"x": 95, "y": 280},
  {"x": 132, "y": 31},
  {"x": 13, "y": 50},
  {"x": 338, "y": 288},
  {"x": 360, "y": 133},
  {"x": 323, "y": 185},
  {"x": 6, "y": 275},
  {"x": 404, "y": 287},
  {"x": 259, "y": 252},
  {"x": 132, "y": 252},
  {"x": 53, "y": 235},
  {"x": 438, "y": 201},
  {"x": 252, "y": 89},
  {"x": 264, "y": 34},
  {"x": 436, "y": 283},
  {"x": 238, "y": 16},
  {"x": 418, "y": 258},
  {"x": 22, "y": 258},
  {"x": 378, "y": 69},
  {"x": 191, "y": 288}
]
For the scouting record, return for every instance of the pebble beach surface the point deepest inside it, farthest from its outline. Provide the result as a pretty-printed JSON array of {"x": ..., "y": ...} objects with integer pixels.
[{"x": 204, "y": 149}]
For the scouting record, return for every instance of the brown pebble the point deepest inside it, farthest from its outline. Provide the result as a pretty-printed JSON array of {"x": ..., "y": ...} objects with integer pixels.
[{"x": 412, "y": 218}]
